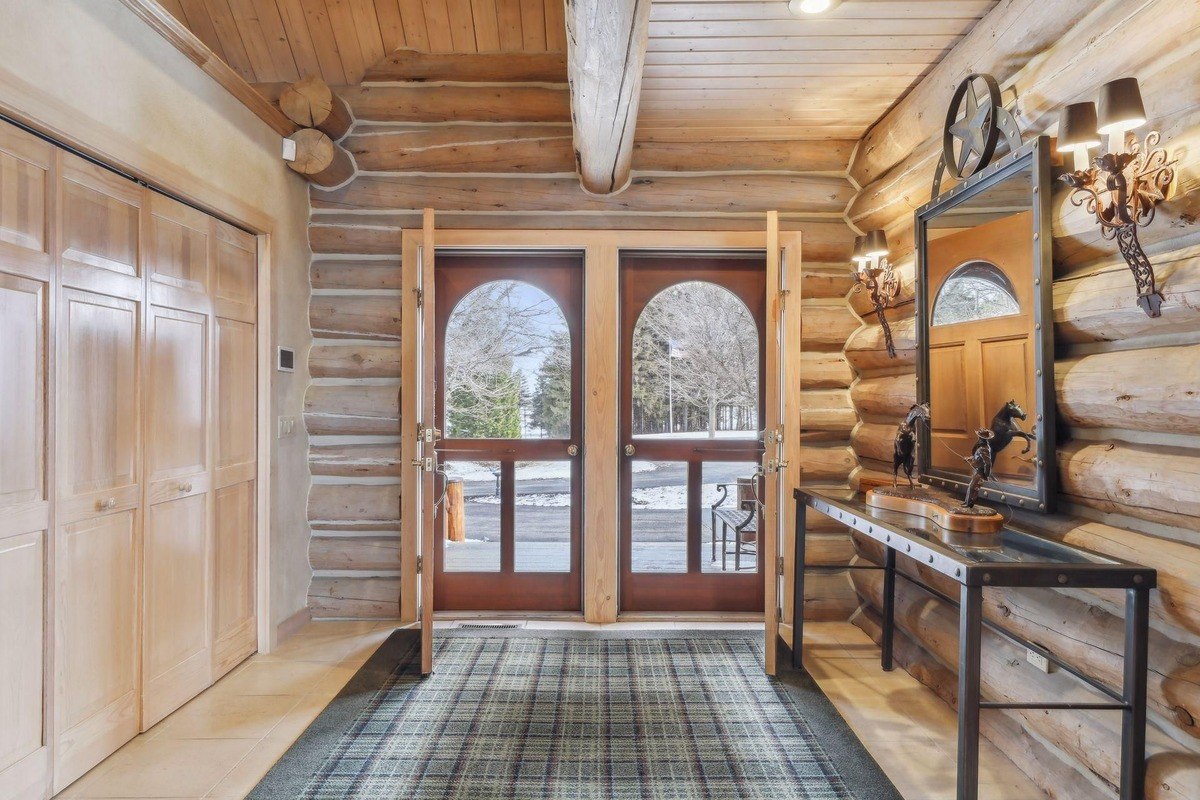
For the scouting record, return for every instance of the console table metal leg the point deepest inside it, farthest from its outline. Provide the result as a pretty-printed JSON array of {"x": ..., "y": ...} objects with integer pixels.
[
  {"x": 798, "y": 586},
  {"x": 889, "y": 609},
  {"x": 970, "y": 639},
  {"x": 1133, "y": 723}
]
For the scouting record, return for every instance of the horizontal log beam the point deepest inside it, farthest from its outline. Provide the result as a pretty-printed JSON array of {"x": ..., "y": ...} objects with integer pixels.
[
  {"x": 646, "y": 193},
  {"x": 824, "y": 371},
  {"x": 548, "y": 148},
  {"x": 1156, "y": 389},
  {"x": 310, "y": 103},
  {"x": 355, "y": 274},
  {"x": 363, "y": 409},
  {"x": 514, "y": 67},
  {"x": 354, "y": 553},
  {"x": 826, "y": 463},
  {"x": 352, "y": 316},
  {"x": 825, "y": 325},
  {"x": 866, "y": 350},
  {"x": 1159, "y": 484},
  {"x": 354, "y": 361},
  {"x": 826, "y": 410},
  {"x": 458, "y": 103},
  {"x": 354, "y": 598},
  {"x": 353, "y": 503},
  {"x": 356, "y": 460},
  {"x": 886, "y": 398}
]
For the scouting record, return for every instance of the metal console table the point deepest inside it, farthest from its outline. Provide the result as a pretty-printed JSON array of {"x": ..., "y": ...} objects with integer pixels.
[{"x": 1014, "y": 558}]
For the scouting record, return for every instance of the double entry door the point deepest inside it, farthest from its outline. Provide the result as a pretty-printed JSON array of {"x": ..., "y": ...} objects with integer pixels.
[{"x": 508, "y": 375}]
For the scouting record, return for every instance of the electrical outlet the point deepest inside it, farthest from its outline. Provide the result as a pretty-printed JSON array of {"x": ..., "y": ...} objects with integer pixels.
[
  {"x": 1038, "y": 660},
  {"x": 287, "y": 427}
]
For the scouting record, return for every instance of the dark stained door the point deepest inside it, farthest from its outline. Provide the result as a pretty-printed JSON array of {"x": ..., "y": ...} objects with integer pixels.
[
  {"x": 691, "y": 421},
  {"x": 509, "y": 366}
]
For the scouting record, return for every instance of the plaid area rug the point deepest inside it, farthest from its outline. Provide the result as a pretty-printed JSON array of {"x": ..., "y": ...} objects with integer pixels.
[{"x": 533, "y": 717}]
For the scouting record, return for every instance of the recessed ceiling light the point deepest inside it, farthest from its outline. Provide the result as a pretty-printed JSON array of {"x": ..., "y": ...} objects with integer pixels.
[{"x": 798, "y": 7}]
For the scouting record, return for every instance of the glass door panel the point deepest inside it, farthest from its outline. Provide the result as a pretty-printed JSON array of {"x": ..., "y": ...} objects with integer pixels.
[
  {"x": 509, "y": 356},
  {"x": 692, "y": 340}
]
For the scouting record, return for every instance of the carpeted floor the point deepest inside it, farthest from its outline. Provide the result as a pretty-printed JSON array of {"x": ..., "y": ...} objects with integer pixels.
[{"x": 541, "y": 714}]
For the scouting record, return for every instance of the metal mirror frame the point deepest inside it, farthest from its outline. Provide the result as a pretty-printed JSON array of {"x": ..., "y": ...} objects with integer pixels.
[{"x": 1035, "y": 156}]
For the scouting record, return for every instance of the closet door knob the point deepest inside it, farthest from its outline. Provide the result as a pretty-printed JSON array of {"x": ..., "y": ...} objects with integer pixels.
[{"x": 106, "y": 505}]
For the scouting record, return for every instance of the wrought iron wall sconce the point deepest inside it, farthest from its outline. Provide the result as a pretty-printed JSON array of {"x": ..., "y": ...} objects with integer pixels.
[
  {"x": 1123, "y": 186},
  {"x": 871, "y": 270}
]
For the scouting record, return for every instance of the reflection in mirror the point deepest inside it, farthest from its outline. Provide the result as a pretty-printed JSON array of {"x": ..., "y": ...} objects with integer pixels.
[
  {"x": 982, "y": 338},
  {"x": 976, "y": 290},
  {"x": 508, "y": 365},
  {"x": 695, "y": 365}
]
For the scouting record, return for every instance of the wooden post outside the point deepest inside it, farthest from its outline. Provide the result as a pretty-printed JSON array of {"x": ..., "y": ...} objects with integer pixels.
[{"x": 455, "y": 515}]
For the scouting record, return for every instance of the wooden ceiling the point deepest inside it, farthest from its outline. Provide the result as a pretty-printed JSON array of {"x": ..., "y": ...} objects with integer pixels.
[
  {"x": 268, "y": 41},
  {"x": 749, "y": 69},
  {"x": 715, "y": 69}
]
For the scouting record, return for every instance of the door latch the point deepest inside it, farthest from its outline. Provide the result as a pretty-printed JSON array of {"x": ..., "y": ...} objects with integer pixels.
[
  {"x": 428, "y": 435},
  {"x": 424, "y": 464},
  {"x": 776, "y": 465}
]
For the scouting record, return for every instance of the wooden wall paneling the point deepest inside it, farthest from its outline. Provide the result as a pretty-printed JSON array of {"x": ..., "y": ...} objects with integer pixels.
[
  {"x": 437, "y": 26},
  {"x": 235, "y": 270},
  {"x": 533, "y": 25},
  {"x": 25, "y": 512},
  {"x": 508, "y": 22},
  {"x": 98, "y": 487},
  {"x": 26, "y": 164},
  {"x": 416, "y": 31},
  {"x": 462, "y": 25},
  {"x": 487, "y": 30},
  {"x": 177, "y": 630},
  {"x": 556, "y": 25},
  {"x": 413, "y": 65},
  {"x": 299, "y": 38},
  {"x": 101, "y": 229},
  {"x": 178, "y": 260},
  {"x": 391, "y": 25}
]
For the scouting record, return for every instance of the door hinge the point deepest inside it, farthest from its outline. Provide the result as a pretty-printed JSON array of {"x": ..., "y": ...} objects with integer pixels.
[
  {"x": 778, "y": 614},
  {"x": 776, "y": 465},
  {"x": 420, "y": 293},
  {"x": 420, "y": 564},
  {"x": 424, "y": 464},
  {"x": 779, "y": 565},
  {"x": 783, "y": 296}
]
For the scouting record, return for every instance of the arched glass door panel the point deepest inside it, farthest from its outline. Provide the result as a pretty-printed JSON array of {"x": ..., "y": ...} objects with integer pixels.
[
  {"x": 691, "y": 417},
  {"x": 509, "y": 359}
]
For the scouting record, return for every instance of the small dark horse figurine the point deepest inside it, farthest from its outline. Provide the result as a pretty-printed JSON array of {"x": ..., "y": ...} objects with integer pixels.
[
  {"x": 1006, "y": 430},
  {"x": 980, "y": 463},
  {"x": 905, "y": 446}
]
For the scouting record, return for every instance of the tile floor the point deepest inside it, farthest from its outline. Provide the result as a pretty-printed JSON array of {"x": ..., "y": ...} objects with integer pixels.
[{"x": 221, "y": 743}]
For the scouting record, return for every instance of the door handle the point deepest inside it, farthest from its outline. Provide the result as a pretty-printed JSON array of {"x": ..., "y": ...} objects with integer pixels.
[
  {"x": 630, "y": 449},
  {"x": 572, "y": 450},
  {"x": 106, "y": 505}
]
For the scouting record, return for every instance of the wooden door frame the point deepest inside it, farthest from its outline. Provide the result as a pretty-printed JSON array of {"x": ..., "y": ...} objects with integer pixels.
[{"x": 601, "y": 321}]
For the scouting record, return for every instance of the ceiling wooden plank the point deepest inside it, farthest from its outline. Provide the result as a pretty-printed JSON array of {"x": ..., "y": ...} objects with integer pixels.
[
  {"x": 199, "y": 21},
  {"x": 245, "y": 17},
  {"x": 437, "y": 22},
  {"x": 457, "y": 103},
  {"x": 508, "y": 20},
  {"x": 230, "y": 38},
  {"x": 814, "y": 56},
  {"x": 777, "y": 9},
  {"x": 607, "y": 45},
  {"x": 702, "y": 131},
  {"x": 416, "y": 33},
  {"x": 316, "y": 16},
  {"x": 345, "y": 34},
  {"x": 935, "y": 42},
  {"x": 277, "y": 40},
  {"x": 731, "y": 71},
  {"x": 556, "y": 25},
  {"x": 462, "y": 26},
  {"x": 370, "y": 37},
  {"x": 843, "y": 85},
  {"x": 391, "y": 26},
  {"x": 809, "y": 27},
  {"x": 487, "y": 31},
  {"x": 533, "y": 25},
  {"x": 174, "y": 8}
]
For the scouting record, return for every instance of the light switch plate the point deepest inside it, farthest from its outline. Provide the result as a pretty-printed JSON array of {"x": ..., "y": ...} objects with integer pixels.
[{"x": 287, "y": 427}]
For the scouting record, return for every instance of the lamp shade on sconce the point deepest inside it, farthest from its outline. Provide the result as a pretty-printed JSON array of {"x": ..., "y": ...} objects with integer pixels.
[
  {"x": 875, "y": 244},
  {"x": 1077, "y": 127},
  {"x": 860, "y": 254},
  {"x": 1121, "y": 106}
]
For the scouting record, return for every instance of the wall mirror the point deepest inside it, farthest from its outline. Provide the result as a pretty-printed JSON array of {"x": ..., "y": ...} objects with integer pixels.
[{"x": 986, "y": 357}]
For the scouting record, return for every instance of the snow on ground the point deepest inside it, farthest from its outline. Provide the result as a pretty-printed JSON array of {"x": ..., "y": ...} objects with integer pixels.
[
  {"x": 655, "y": 498},
  {"x": 476, "y": 472},
  {"x": 699, "y": 435}
]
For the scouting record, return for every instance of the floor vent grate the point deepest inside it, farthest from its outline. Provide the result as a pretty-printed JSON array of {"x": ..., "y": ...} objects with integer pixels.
[{"x": 489, "y": 625}]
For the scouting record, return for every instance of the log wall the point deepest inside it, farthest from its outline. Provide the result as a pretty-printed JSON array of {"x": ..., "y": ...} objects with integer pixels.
[
  {"x": 486, "y": 152},
  {"x": 1128, "y": 393}
]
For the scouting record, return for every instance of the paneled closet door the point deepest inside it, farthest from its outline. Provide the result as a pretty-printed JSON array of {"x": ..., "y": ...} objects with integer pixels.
[
  {"x": 97, "y": 544},
  {"x": 235, "y": 634},
  {"x": 177, "y": 640},
  {"x": 26, "y": 186}
]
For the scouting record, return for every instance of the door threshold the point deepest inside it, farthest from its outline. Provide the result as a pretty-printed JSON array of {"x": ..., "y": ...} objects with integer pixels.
[{"x": 691, "y": 616}]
